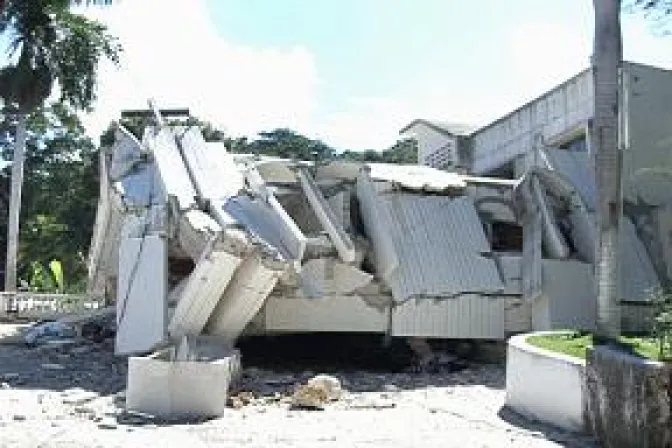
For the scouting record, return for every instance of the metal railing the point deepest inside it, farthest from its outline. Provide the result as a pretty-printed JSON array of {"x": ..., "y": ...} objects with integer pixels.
[{"x": 34, "y": 305}]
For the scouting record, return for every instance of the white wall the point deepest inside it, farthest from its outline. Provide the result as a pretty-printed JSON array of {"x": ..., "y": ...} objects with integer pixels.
[
  {"x": 568, "y": 296},
  {"x": 430, "y": 140},
  {"x": 649, "y": 123},
  {"x": 326, "y": 314},
  {"x": 556, "y": 112},
  {"x": 544, "y": 386}
]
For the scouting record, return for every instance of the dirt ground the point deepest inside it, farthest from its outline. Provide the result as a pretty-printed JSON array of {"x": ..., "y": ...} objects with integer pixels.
[{"x": 72, "y": 395}]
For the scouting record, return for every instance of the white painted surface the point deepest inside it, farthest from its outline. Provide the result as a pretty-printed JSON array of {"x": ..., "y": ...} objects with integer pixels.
[
  {"x": 332, "y": 313},
  {"x": 416, "y": 177},
  {"x": 142, "y": 290},
  {"x": 431, "y": 143},
  {"x": 203, "y": 290},
  {"x": 468, "y": 316},
  {"x": 160, "y": 387},
  {"x": 172, "y": 170},
  {"x": 563, "y": 108},
  {"x": 242, "y": 299},
  {"x": 264, "y": 217},
  {"x": 213, "y": 169},
  {"x": 544, "y": 386}
]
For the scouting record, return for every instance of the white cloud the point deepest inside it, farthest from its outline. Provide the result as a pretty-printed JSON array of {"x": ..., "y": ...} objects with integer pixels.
[
  {"x": 544, "y": 54},
  {"x": 174, "y": 54}
]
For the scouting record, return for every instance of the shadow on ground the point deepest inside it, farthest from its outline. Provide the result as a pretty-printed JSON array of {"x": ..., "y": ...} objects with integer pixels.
[
  {"x": 549, "y": 432},
  {"x": 362, "y": 362},
  {"x": 83, "y": 364}
]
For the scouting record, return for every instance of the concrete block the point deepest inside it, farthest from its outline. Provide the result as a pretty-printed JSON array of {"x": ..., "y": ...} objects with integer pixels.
[
  {"x": 159, "y": 385},
  {"x": 141, "y": 301}
]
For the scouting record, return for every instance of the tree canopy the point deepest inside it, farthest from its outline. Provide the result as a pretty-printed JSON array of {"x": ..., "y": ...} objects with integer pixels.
[
  {"x": 60, "y": 192},
  {"x": 52, "y": 44}
]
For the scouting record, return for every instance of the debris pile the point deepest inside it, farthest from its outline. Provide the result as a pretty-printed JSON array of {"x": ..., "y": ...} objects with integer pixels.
[{"x": 193, "y": 241}]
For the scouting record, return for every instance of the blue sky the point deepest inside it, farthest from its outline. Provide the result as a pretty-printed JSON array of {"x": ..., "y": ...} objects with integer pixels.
[{"x": 351, "y": 72}]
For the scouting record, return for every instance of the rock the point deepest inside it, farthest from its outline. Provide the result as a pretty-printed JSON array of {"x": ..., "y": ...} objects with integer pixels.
[
  {"x": 329, "y": 383},
  {"x": 79, "y": 396},
  {"x": 284, "y": 380},
  {"x": 310, "y": 396},
  {"x": 80, "y": 350},
  {"x": 84, "y": 410},
  {"x": 45, "y": 331},
  {"x": 234, "y": 402},
  {"x": 372, "y": 405},
  {"x": 108, "y": 424},
  {"x": 49, "y": 366},
  {"x": 391, "y": 388}
]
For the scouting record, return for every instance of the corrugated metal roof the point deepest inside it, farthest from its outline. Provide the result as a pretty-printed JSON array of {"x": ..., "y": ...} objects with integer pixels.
[
  {"x": 467, "y": 316},
  {"x": 416, "y": 177},
  {"x": 446, "y": 127},
  {"x": 438, "y": 242}
]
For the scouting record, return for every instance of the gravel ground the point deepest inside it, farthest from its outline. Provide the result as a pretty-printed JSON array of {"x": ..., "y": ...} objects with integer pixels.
[{"x": 73, "y": 396}]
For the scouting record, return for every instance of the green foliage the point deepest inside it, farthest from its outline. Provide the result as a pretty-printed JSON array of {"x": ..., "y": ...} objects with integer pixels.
[
  {"x": 287, "y": 144},
  {"x": 660, "y": 6},
  {"x": 60, "y": 193},
  {"x": 662, "y": 322},
  {"x": 136, "y": 126},
  {"x": 53, "y": 45},
  {"x": 658, "y": 12},
  {"x": 402, "y": 152},
  {"x": 47, "y": 278},
  {"x": 575, "y": 343}
]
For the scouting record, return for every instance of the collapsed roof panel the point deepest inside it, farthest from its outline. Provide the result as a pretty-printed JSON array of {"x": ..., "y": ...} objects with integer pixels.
[
  {"x": 416, "y": 177},
  {"x": 212, "y": 168},
  {"x": 431, "y": 246},
  {"x": 170, "y": 165},
  {"x": 242, "y": 228}
]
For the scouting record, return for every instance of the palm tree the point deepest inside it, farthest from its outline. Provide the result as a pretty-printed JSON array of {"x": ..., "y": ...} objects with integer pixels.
[
  {"x": 606, "y": 65},
  {"x": 52, "y": 45}
]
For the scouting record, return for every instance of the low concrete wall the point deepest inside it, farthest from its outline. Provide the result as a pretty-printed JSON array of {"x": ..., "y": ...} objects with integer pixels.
[
  {"x": 30, "y": 305},
  {"x": 628, "y": 399},
  {"x": 543, "y": 385}
]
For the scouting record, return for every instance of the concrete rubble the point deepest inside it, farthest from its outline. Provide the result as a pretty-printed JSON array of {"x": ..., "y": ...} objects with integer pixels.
[{"x": 193, "y": 241}]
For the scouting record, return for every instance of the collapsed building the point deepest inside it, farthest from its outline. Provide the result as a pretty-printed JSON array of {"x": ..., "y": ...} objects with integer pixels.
[{"x": 491, "y": 234}]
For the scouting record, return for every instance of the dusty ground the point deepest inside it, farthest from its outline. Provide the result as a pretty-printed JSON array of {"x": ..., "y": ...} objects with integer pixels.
[{"x": 72, "y": 396}]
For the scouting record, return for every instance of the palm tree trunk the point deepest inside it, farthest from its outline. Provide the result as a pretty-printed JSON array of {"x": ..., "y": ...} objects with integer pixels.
[
  {"x": 606, "y": 65},
  {"x": 15, "y": 204}
]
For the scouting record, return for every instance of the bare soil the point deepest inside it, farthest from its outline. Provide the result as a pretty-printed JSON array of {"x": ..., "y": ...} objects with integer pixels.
[{"x": 72, "y": 395}]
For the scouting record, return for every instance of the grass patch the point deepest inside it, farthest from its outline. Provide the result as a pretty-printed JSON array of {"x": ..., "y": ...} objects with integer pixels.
[{"x": 574, "y": 343}]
